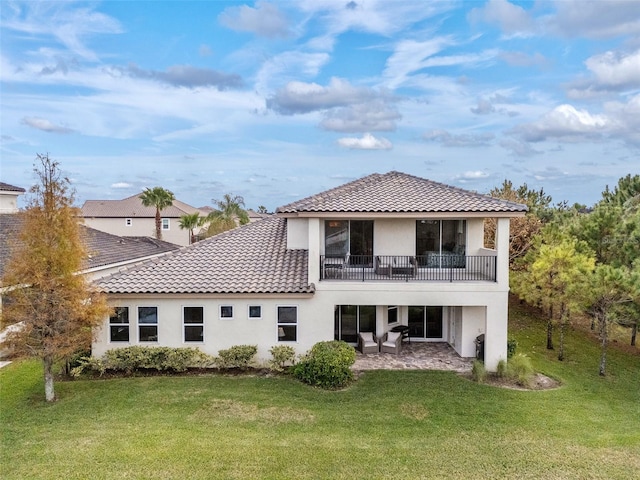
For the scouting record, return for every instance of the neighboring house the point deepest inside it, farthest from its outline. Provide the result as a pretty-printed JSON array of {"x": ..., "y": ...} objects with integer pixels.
[
  {"x": 376, "y": 253},
  {"x": 106, "y": 253},
  {"x": 129, "y": 218},
  {"x": 9, "y": 198}
]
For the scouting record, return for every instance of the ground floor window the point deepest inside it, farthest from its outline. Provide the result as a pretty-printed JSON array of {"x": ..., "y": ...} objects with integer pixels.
[
  {"x": 287, "y": 323},
  {"x": 193, "y": 320},
  {"x": 119, "y": 325},
  {"x": 352, "y": 319},
  {"x": 425, "y": 322},
  {"x": 148, "y": 324}
]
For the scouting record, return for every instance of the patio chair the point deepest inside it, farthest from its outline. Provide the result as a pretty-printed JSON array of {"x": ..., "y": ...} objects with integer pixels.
[
  {"x": 367, "y": 343},
  {"x": 391, "y": 342}
]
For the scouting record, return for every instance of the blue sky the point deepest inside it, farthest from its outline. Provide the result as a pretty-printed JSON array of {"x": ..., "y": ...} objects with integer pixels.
[{"x": 277, "y": 100}]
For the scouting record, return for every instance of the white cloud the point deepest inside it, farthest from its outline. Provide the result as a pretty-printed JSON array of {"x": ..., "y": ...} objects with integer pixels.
[
  {"x": 460, "y": 140},
  {"x": 512, "y": 19},
  {"x": 567, "y": 123},
  {"x": 45, "y": 125},
  {"x": 376, "y": 115},
  {"x": 366, "y": 142},
  {"x": 265, "y": 20},
  {"x": 301, "y": 97},
  {"x": 119, "y": 185},
  {"x": 594, "y": 19},
  {"x": 615, "y": 69},
  {"x": 62, "y": 21}
]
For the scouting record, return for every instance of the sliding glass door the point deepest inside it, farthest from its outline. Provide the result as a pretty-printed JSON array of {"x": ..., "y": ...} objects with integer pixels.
[
  {"x": 425, "y": 322},
  {"x": 354, "y": 237},
  {"x": 352, "y": 319},
  {"x": 441, "y": 243}
]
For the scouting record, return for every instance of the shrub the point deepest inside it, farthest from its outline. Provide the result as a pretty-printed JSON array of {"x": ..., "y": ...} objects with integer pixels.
[
  {"x": 131, "y": 359},
  {"x": 238, "y": 356},
  {"x": 281, "y": 355},
  {"x": 327, "y": 365},
  {"x": 501, "y": 370},
  {"x": 479, "y": 372},
  {"x": 520, "y": 369},
  {"x": 512, "y": 344}
]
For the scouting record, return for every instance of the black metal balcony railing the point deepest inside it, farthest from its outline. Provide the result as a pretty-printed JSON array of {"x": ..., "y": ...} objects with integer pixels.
[{"x": 446, "y": 267}]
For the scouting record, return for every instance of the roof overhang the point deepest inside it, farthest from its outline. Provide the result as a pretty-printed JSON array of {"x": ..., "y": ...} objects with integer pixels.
[{"x": 394, "y": 215}]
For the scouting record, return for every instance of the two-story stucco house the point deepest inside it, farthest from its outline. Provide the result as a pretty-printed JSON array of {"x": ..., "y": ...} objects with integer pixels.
[
  {"x": 129, "y": 218},
  {"x": 376, "y": 253}
]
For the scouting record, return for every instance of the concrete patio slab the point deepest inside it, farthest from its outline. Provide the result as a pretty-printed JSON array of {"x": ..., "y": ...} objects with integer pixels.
[{"x": 415, "y": 356}]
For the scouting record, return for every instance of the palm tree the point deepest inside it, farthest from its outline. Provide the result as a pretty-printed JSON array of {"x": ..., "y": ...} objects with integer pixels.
[
  {"x": 160, "y": 198},
  {"x": 191, "y": 222},
  {"x": 230, "y": 213}
]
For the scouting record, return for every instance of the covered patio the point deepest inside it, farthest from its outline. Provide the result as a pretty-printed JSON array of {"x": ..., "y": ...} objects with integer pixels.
[{"x": 415, "y": 356}]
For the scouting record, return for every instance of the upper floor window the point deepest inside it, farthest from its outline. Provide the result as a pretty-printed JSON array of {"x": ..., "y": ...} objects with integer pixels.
[
  {"x": 128, "y": 222},
  {"x": 439, "y": 241},
  {"x": 119, "y": 325},
  {"x": 354, "y": 237},
  {"x": 165, "y": 224}
]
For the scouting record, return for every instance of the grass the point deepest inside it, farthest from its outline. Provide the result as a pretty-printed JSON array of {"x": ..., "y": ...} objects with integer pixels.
[{"x": 389, "y": 424}]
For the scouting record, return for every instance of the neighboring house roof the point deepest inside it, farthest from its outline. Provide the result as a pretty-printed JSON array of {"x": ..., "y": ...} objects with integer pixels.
[
  {"x": 131, "y": 207},
  {"x": 106, "y": 249},
  {"x": 103, "y": 248},
  {"x": 396, "y": 192},
  {"x": 250, "y": 259},
  {"x": 5, "y": 187}
]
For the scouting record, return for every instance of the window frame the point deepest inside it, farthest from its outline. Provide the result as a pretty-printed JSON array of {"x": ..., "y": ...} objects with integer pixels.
[
  {"x": 223, "y": 317},
  {"x": 192, "y": 324},
  {"x": 126, "y": 324},
  {"x": 128, "y": 222},
  {"x": 148, "y": 324},
  {"x": 166, "y": 224},
  {"x": 286, "y": 325},
  {"x": 249, "y": 316}
]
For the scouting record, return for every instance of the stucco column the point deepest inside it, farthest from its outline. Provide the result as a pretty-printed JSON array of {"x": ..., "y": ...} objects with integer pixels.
[
  {"x": 381, "y": 318},
  {"x": 314, "y": 250},
  {"x": 495, "y": 339},
  {"x": 502, "y": 249}
]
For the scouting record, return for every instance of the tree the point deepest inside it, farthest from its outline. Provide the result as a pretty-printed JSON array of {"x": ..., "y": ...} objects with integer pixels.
[
  {"x": 160, "y": 198},
  {"x": 522, "y": 229},
  {"x": 262, "y": 209},
  {"x": 54, "y": 307},
  {"x": 229, "y": 215},
  {"x": 610, "y": 289},
  {"x": 191, "y": 222},
  {"x": 553, "y": 279},
  {"x": 627, "y": 189}
]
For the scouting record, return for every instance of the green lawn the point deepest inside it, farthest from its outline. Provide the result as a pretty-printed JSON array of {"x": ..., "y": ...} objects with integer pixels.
[{"x": 387, "y": 425}]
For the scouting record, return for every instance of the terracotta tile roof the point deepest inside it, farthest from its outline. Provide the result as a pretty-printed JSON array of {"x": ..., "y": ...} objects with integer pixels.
[
  {"x": 401, "y": 193},
  {"x": 248, "y": 259},
  {"x": 103, "y": 248},
  {"x": 5, "y": 187},
  {"x": 132, "y": 207}
]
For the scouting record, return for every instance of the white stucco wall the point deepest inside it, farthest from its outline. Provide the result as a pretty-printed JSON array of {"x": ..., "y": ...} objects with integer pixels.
[
  {"x": 219, "y": 333},
  {"x": 297, "y": 233},
  {"x": 9, "y": 202},
  {"x": 394, "y": 236}
]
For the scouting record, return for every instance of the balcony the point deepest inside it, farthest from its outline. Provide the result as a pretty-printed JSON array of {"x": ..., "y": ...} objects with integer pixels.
[{"x": 445, "y": 267}]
